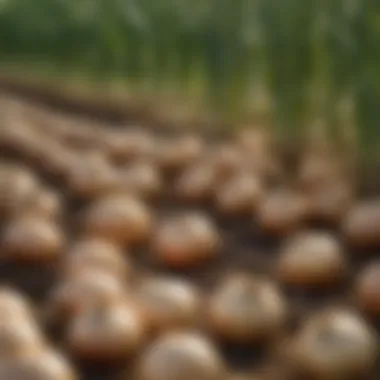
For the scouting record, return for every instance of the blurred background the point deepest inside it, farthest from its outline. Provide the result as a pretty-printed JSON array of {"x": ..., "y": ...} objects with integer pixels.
[{"x": 294, "y": 64}]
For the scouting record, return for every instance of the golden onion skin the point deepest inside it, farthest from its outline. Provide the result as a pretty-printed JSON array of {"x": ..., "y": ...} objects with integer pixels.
[
  {"x": 43, "y": 365},
  {"x": 141, "y": 178},
  {"x": 122, "y": 219},
  {"x": 246, "y": 309},
  {"x": 106, "y": 332},
  {"x": 240, "y": 195},
  {"x": 19, "y": 338},
  {"x": 33, "y": 239},
  {"x": 312, "y": 259},
  {"x": 90, "y": 176},
  {"x": 180, "y": 356},
  {"x": 367, "y": 289},
  {"x": 334, "y": 344},
  {"x": 84, "y": 289},
  {"x": 168, "y": 303},
  {"x": 361, "y": 227},
  {"x": 185, "y": 240},
  {"x": 281, "y": 213},
  {"x": 98, "y": 254}
]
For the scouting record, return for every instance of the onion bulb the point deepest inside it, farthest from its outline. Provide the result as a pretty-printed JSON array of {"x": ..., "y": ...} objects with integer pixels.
[
  {"x": 180, "y": 152},
  {"x": 311, "y": 259},
  {"x": 90, "y": 176},
  {"x": 246, "y": 309},
  {"x": 239, "y": 195},
  {"x": 367, "y": 289},
  {"x": 334, "y": 344},
  {"x": 129, "y": 144},
  {"x": 167, "y": 303},
  {"x": 41, "y": 365},
  {"x": 120, "y": 218},
  {"x": 282, "y": 212},
  {"x": 96, "y": 254},
  {"x": 106, "y": 332},
  {"x": 14, "y": 306},
  {"x": 197, "y": 183},
  {"x": 19, "y": 338},
  {"x": 181, "y": 356},
  {"x": 84, "y": 289},
  {"x": 361, "y": 226},
  {"x": 33, "y": 239},
  {"x": 185, "y": 240},
  {"x": 140, "y": 178}
]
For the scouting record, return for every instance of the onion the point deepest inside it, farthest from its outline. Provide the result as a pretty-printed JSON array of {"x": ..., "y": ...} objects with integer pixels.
[
  {"x": 361, "y": 226},
  {"x": 256, "y": 140},
  {"x": 311, "y": 259},
  {"x": 130, "y": 144},
  {"x": 13, "y": 305},
  {"x": 246, "y": 309},
  {"x": 181, "y": 356},
  {"x": 334, "y": 343},
  {"x": 240, "y": 195},
  {"x": 120, "y": 218},
  {"x": 33, "y": 239},
  {"x": 197, "y": 183},
  {"x": 167, "y": 303},
  {"x": 367, "y": 286},
  {"x": 19, "y": 338},
  {"x": 41, "y": 365},
  {"x": 98, "y": 254},
  {"x": 91, "y": 176},
  {"x": 282, "y": 212},
  {"x": 330, "y": 203},
  {"x": 84, "y": 289},
  {"x": 227, "y": 159},
  {"x": 141, "y": 178},
  {"x": 185, "y": 240},
  {"x": 180, "y": 152},
  {"x": 317, "y": 171},
  {"x": 17, "y": 187},
  {"x": 106, "y": 332},
  {"x": 46, "y": 204},
  {"x": 58, "y": 159},
  {"x": 256, "y": 145}
]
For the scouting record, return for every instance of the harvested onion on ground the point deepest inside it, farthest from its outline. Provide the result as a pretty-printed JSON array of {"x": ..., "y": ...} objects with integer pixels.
[
  {"x": 120, "y": 218},
  {"x": 312, "y": 259},
  {"x": 40, "y": 365},
  {"x": 330, "y": 203},
  {"x": 185, "y": 240},
  {"x": 96, "y": 253},
  {"x": 240, "y": 195},
  {"x": 282, "y": 212},
  {"x": 33, "y": 239},
  {"x": 334, "y": 344},
  {"x": 197, "y": 183},
  {"x": 180, "y": 356},
  {"x": 246, "y": 309},
  {"x": 367, "y": 289},
  {"x": 19, "y": 338},
  {"x": 14, "y": 306},
  {"x": 106, "y": 332},
  {"x": 178, "y": 153},
  {"x": 90, "y": 176},
  {"x": 168, "y": 303},
  {"x": 361, "y": 226},
  {"x": 84, "y": 289},
  {"x": 140, "y": 178}
]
